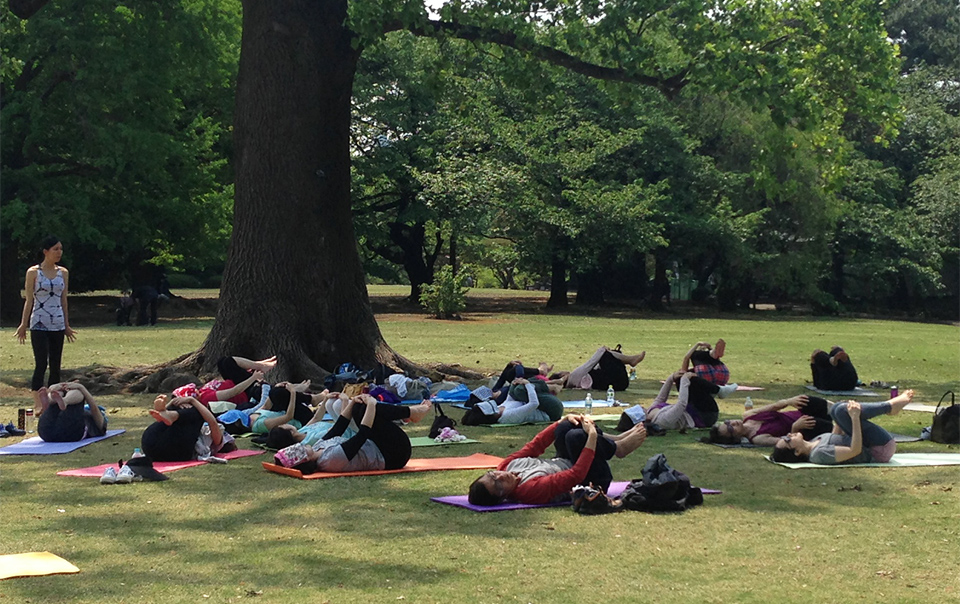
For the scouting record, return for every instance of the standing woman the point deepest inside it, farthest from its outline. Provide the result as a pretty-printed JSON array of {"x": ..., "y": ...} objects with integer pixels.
[{"x": 45, "y": 313}]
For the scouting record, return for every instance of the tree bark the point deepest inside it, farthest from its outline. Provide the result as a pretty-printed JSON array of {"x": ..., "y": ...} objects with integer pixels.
[
  {"x": 293, "y": 282},
  {"x": 558, "y": 280}
]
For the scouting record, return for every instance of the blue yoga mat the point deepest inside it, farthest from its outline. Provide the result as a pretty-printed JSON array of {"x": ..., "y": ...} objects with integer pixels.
[{"x": 38, "y": 446}]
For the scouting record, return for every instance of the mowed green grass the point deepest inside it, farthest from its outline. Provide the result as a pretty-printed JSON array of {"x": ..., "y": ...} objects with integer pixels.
[{"x": 237, "y": 533}]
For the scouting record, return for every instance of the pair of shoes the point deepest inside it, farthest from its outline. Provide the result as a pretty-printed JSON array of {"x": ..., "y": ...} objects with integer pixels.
[
  {"x": 4, "y": 433},
  {"x": 13, "y": 430},
  {"x": 124, "y": 476}
]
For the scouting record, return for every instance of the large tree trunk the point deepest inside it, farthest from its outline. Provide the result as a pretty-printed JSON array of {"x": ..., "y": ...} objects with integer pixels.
[
  {"x": 558, "y": 279},
  {"x": 293, "y": 282}
]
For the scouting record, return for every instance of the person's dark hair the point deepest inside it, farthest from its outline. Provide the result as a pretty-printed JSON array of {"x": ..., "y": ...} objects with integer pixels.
[
  {"x": 476, "y": 417},
  {"x": 48, "y": 242},
  {"x": 307, "y": 467},
  {"x": 480, "y": 495},
  {"x": 625, "y": 423},
  {"x": 785, "y": 455},
  {"x": 279, "y": 438},
  {"x": 722, "y": 439}
]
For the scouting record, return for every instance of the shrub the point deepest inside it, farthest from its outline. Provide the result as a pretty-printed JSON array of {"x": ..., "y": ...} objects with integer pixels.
[{"x": 446, "y": 297}]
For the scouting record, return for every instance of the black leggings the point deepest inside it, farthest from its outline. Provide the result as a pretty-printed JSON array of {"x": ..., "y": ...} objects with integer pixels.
[
  {"x": 700, "y": 397},
  {"x": 62, "y": 426},
  {"x": 393, "y": 442},
  {"x": 819, "y": 410},
  {"x": 610, "y": 372},
  {"x": 827, "y": 377},
  {"x": 176, "y": 442},
  {"x": 570, "y": 441},
  {"x": 47, "y": 345}
]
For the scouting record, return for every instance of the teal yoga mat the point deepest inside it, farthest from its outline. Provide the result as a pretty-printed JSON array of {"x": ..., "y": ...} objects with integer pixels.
[{"x": 426, "y": 441}]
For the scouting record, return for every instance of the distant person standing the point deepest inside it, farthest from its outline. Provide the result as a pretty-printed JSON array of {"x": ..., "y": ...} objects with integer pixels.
[{"x": 45, "y": 315}]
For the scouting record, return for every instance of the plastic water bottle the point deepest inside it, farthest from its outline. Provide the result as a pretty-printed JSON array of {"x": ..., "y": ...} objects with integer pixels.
[
  {"x": 588, "y": 403},
  {"x": 748, "y": 404},
  {"x": 28, "y": 420},
  {"x": 611, "y": 395},
  {"x": 633, "y": 373},
  {"x": 136, "y": 453}
]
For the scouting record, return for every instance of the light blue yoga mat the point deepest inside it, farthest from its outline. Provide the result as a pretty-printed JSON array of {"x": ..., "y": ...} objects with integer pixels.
[
  {"x": 38, "y": 446},
  {"x": 899, "y": 460}
]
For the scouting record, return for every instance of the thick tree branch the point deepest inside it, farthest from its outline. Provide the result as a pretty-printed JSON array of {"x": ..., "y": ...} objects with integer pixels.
[{"x": 670, "y": 86}]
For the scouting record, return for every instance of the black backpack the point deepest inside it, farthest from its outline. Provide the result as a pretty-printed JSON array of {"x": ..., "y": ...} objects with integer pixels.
[
  {"x": 440, "y": 422},
  {"x": 946, "y": 422},
  {"x": 662, "y": 489}
]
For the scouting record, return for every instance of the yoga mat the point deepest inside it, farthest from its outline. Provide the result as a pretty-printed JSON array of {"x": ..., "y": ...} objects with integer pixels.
[
  {"x": 900, "y": 438},
  {"x": 34, "y": 564},
  {"x": 899, "y": 460},
  {"x": 921, "y": 407},
  {"x": 160, "y": 466},
  {"x": 858, "y": 391},
  {"x": 477, "y": 461},
  {"x": 740, "y": 388},
  {"x": 426, "y": 441},
  {"x": 580, "y": 403},
  {"x": 38, "y": 446},
  {"x": 460, "y": 501}
]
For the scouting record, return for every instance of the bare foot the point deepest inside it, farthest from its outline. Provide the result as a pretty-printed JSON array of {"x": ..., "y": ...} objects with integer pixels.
[
  {"x": 302, "y": 386},
  {"x": 840, "y": 357},
  {"x": 544, "y": 369},
  {"x": 631, "y": 441},
  {"x": 635, "y": 359},
  {"x": 267, "y": 364},
  {"x": 897, "y": 403},
  {"x": 719, "y": 349},
  {"x": 167, "y": 417},
  {"x": 58, "y": 399},
  {"x": 816, "y": 351},
  {"x": 43, "y": 398},
  {"x": 418, "y": 412}
]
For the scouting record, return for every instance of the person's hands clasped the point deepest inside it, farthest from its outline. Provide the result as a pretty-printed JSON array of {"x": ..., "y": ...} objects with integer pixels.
[
  {"x": 573, "y": 418},
  {"x": 804, "y": 422},
  {"x": 586, "y": 422},
  {"x": 853, "y": 408}
]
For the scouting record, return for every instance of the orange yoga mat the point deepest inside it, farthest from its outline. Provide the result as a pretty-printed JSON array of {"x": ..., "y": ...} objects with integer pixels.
[
  {"x": 34, "y": 564},
  {"x": 477, "y": 461}
]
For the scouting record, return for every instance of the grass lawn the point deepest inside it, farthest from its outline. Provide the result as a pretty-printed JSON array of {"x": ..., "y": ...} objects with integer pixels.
[{"x": 237, "y": 533}]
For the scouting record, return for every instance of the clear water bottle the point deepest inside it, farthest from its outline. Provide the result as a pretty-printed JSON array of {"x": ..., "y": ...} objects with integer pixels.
[
  {"x": 633, "y": 373},
  {"x": 748, "y": 404},
  {"x": 588, "y": 403},
  {"x": 611, "y": 395},
  {"x": 136, "y": 453},
  {"x": 28, "y": 420}
]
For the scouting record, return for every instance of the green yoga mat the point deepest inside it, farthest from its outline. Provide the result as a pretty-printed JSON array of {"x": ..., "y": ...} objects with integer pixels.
[
  {"x": 899, "y": 460},
  {"x": 426, "y": 441}
]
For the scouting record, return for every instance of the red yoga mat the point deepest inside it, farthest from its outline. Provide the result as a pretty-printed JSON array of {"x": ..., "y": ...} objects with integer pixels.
[{"x": 160, "y": 466}]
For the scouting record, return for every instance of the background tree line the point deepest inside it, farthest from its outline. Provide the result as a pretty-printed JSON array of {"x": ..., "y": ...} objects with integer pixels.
[{"x": 117, "y": 136}]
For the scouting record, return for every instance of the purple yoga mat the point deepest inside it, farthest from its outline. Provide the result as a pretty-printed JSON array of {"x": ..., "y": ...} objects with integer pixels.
[
  {"x": 38, "y": 446},
  {"x": 460, "y": 501}
]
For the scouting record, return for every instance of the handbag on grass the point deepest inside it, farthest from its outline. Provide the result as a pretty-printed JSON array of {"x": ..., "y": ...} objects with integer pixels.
[
  {"x": 946, "y": 422},
  {"x": 441, "y": 421}
]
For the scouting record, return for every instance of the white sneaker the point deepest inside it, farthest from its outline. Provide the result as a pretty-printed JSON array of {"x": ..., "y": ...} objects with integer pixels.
[
  {"x": 125, "y": 476},
  {"x": 109, "y": 476},
  {"x": 727, "y": 390}
]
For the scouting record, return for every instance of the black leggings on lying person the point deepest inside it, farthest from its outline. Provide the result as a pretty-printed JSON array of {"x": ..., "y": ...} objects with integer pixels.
[
  {"x": 393, "y": 442},
  {"x": 176, "y": 442},
  {"x": 570, "y": 440},
  {"x": 279, "y": 397}
]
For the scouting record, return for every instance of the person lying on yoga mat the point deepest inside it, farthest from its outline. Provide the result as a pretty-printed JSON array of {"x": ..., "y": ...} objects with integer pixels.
[
  {"x": 287, "y": 404},
  {"x": 379, "y": 443},
  {"x": 583, "y": 452},
  {"x": 833, "y": 371},
  {"x": 765, "y": 425},
  {"x": 515, "y": 371},
  {"x": 605, "y": 368},
  {"x": 68, "y": 413},
  {"x": 706, "y": 362},
  {"x": 695, "y": 407},
  {"x": 526, "y": 401},
  {"x": 313, "y": 432},
  {"x": 179, "y": 425},
  {"x": 854, "y": 439}
]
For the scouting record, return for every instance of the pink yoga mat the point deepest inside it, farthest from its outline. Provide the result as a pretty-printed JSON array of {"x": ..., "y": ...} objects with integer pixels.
[{"x": 160, "y": 466}]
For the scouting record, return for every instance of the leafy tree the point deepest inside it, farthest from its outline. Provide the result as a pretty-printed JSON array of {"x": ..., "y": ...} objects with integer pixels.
[
  {"x": 115, "y": 120},
  {"x": 811, "y": 62}
]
